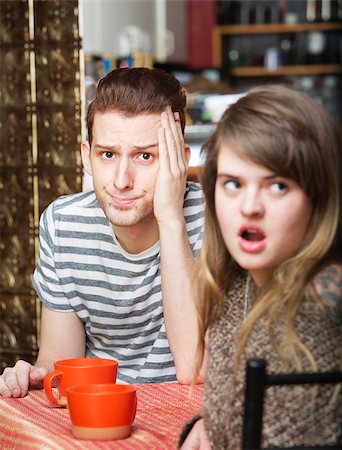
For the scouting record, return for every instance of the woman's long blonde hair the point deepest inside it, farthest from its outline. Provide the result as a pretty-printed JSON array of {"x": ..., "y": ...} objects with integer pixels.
[{"x": 292, "y": 135}]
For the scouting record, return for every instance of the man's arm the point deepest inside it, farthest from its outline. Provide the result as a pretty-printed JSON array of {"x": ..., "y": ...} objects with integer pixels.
[
  {"x": 179, "y": 309},
  {"x": 176, "y": 255},
  {"x": 62, "y": 336}
]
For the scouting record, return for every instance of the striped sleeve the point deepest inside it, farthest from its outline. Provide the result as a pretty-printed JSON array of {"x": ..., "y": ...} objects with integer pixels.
[{"x": 46, "y": 282}]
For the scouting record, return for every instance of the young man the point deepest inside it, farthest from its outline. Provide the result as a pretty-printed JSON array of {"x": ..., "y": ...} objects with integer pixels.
[{"x": 115, "y": 263}]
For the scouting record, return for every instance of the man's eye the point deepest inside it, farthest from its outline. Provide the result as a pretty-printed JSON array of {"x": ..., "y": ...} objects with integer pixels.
[
  {"x": 146, "y": 156},
  {"x": 278, "y": 187},
  {"x": 108, "y": 155}
]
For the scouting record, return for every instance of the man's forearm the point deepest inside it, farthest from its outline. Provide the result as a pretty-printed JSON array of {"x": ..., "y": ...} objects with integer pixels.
[{"x": 179, "y": 308}]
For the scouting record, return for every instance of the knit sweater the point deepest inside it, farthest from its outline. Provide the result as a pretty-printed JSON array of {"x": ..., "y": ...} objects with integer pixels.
[{"x": 293, "y": 415}]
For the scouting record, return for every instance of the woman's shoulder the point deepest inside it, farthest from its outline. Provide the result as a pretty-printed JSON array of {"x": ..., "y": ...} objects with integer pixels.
[{"x": 327, "y": 285}]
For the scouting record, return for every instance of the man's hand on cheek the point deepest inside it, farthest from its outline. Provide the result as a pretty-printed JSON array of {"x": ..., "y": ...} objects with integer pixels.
[{"x": 173, "y": 169}]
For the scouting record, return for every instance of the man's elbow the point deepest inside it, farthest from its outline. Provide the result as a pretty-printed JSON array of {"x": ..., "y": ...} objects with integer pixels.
[{"x": 187, "y": 376}]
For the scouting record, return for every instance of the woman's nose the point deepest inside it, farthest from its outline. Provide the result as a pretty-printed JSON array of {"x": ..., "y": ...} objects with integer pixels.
[
  {"x": 123, "y": 177},
  {"x": 252, "y": 204}
]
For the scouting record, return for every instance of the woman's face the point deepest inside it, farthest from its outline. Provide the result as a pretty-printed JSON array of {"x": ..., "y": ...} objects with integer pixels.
[{"x": 263, "y": 217}]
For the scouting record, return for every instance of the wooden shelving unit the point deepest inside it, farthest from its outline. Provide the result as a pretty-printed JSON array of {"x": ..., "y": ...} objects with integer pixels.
[
  {"x": 220, "y": 31},
  {"x": 286, "y": 70}
]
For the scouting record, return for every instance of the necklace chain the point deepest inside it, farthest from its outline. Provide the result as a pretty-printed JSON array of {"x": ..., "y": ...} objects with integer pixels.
[{"x": 247, "y": 295}]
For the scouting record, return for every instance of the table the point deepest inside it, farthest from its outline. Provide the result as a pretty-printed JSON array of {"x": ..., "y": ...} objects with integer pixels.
[{"x": 32, "y": 423}]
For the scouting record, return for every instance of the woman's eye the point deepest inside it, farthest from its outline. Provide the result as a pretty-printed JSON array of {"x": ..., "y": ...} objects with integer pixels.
[
  {"x": 231, "y": 185},
  {"x": 278, "y": 187}
]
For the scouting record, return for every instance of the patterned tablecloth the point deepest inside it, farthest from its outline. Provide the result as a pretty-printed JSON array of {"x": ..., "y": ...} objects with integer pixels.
[{"x": 32, "y": 423}]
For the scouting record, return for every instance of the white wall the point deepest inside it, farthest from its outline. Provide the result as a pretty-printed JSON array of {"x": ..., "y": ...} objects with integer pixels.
[
  {"x": 176, "y": 19},
  {"x": 104, "y": 21}
]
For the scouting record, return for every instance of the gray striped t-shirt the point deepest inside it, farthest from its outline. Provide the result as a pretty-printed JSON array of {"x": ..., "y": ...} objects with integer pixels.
[{"x": 83, "y": 268}]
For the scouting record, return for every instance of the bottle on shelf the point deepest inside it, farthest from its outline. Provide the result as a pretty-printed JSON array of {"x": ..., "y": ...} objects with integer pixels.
[
  {"x": 311, "y": 11},
  {"x": 331, "y": 10},
  {"x": 315, "y": 50},
  {"x": 286, "y": 50},
  {"x": 326, "y": 11},
  {"x": 323, "y": 10}
]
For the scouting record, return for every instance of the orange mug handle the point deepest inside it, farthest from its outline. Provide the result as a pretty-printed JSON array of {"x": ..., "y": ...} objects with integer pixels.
[{"x": 48, "y": 379}]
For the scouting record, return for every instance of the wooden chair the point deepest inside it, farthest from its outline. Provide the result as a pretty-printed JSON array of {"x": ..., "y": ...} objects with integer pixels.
[{"x": 257, "y": 380}]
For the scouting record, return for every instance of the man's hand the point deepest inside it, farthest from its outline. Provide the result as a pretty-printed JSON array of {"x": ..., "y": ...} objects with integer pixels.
[
  {"x": 173, "y": 169},
  {"x": 62, "y": 337},
  {"x": 16, "y": 381},
  {"x": 197, "y": 438}
]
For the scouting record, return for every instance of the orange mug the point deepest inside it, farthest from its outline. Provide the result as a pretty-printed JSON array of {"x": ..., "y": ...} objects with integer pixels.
[
  {"x": 102, "y": 411},
  {"x": 69, "y": 372}
]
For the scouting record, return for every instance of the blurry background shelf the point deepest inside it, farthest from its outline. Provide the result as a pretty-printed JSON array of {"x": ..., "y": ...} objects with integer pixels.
[
  {"x": 305, "y": 53},
  {"x": 220, "y": 31},
  {"x": 286, "y": 70},
  {"x": 276, "y": 28}
]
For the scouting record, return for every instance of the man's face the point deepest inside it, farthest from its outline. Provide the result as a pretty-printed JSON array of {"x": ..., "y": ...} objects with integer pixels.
[{"x": 123, "y": 161}]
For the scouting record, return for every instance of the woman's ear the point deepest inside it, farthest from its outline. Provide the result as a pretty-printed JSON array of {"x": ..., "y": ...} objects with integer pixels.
[{"x": 85, "y": 152}]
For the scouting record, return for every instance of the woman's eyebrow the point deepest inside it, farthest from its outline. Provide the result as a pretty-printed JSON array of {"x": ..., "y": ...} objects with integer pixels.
[
  {"x": 227, "y": 175},
  {"x": 270, "y": 176}
]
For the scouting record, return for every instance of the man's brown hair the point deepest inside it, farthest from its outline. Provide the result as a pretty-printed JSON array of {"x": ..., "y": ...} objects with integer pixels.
[{"x": 137, "y": 91}]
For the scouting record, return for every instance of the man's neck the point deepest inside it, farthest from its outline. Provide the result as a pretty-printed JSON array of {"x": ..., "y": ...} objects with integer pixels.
[{"x": 137, "y": 238}]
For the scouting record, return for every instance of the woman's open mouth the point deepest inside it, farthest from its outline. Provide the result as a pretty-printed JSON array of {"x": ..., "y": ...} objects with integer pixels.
[{"x": 252, "y": 239}]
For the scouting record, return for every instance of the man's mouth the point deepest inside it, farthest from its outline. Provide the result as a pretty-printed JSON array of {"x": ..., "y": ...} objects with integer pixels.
[{"x": 122, "y": 202}]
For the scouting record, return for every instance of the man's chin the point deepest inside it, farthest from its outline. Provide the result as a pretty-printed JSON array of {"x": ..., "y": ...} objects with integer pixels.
[
  {"x": 119, "y": 221},
  {"x": 127, "y": 218}
]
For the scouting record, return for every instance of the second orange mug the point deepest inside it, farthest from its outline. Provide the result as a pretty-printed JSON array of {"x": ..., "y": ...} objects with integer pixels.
[
  {"x": 75, "y": 371},
  {"x": 102, "y": 411}
]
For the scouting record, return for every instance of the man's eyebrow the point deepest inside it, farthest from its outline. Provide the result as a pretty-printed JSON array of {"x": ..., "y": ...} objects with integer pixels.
[
  {"x": 145, "y": 146},
  {"x": 105, "y": 147},
  {"x": 114, "y": 147}
]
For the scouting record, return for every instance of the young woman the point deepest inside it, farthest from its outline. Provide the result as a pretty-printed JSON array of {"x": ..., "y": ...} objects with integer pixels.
[{"x": 269, "y": 278}]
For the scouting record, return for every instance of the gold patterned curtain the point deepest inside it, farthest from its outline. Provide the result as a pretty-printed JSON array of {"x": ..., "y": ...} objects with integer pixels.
[{"x": 41, "y": 131}]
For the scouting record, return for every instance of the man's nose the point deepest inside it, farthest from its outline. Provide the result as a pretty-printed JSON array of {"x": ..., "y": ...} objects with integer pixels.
[
  {"x": 252, "y": 203},
  {"x": 123, "y": 177}
]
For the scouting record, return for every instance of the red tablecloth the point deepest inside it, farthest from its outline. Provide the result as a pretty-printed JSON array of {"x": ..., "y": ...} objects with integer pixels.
[{"x": 32, "y": 423}]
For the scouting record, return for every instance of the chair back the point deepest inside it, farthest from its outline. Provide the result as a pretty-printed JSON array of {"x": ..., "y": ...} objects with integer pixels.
[{"x": 257, "y": 380}]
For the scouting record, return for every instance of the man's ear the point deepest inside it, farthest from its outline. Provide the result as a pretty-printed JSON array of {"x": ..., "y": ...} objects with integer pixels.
[
  {"x": 187, "y": 152},
  {"x": 85, "y": 152}
]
